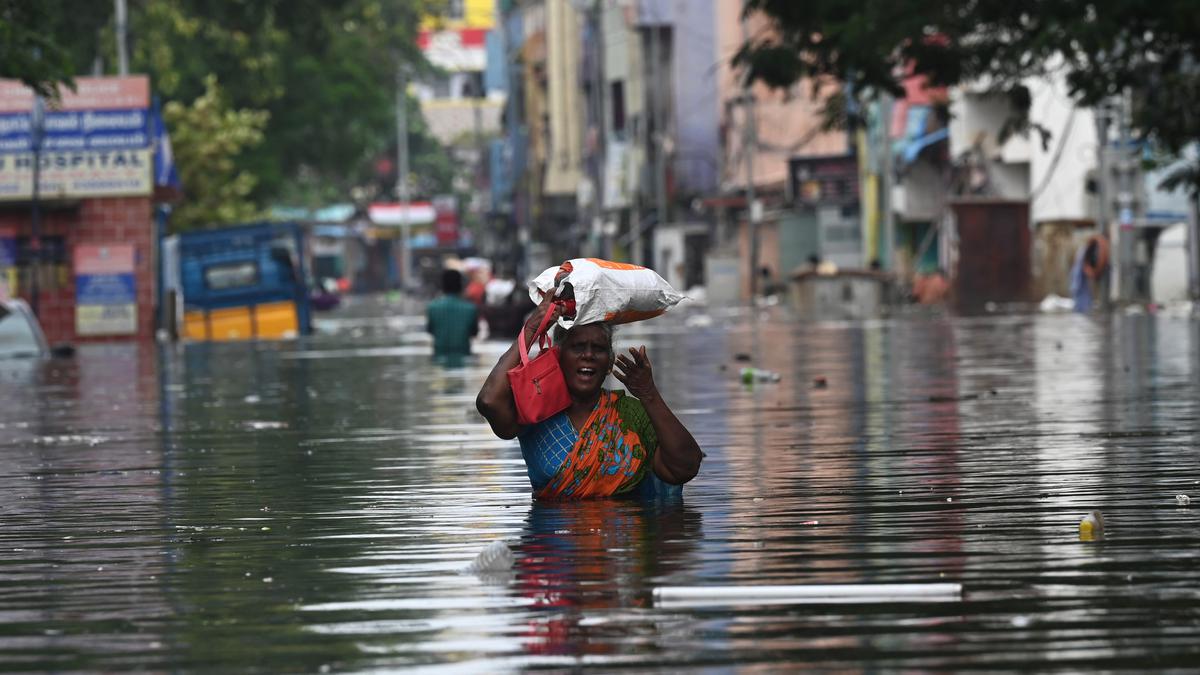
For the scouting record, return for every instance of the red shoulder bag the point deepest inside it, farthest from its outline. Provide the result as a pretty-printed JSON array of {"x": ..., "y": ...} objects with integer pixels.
[{"x": 537, "y": 384}]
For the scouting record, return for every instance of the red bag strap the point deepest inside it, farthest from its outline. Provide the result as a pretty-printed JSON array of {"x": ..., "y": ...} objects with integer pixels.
[{"x": 539, "y": 336}]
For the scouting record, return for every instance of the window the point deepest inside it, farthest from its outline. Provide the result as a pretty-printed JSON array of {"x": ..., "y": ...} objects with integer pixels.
[
  {"x": 231, "y": 275},
  {"x": 441, "y": 88},
  {"x": 455, "y": 9},
  {"x": 617, "y": 96},
  {"x": 54, "y": 273}
]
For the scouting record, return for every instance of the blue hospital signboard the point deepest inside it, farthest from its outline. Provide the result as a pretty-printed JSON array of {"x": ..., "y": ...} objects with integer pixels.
[
  {"x": 105, "y": 290},
  {"x": 95, "y": 143}
]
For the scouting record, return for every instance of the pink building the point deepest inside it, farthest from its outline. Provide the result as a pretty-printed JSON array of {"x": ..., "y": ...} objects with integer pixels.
[{"x": 787, "y": 125}]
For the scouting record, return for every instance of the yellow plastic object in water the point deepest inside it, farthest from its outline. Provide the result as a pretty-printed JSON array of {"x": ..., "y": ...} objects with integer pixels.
[{"x": 1091, "y": 527}]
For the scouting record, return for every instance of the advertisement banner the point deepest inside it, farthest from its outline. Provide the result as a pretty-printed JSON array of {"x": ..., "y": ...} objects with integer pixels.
[
  {"x": 446, "y": 221},
  {"x": 824, "y": 181},
  {"x": 95, "y": 142},
  {"x": 105, "y": 290}
]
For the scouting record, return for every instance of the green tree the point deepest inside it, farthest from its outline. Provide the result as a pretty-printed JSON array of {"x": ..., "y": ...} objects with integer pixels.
[
  {"x": 28, "y": 53},
  {"x": 321, "y": 73},
  {"x": 207, "y": 138},
  {"x": 324, "y": 70},
  {"x": 1102, "y": 48}
]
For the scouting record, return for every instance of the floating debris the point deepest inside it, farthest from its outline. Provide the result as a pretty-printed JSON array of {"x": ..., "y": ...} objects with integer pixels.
[
  {"x": 1183, "y": 500},
  {"x": 751, "y": 375},
  {"x": 1091, "y": 527},
  {"x": 70, "y": 439},
  {"x": 805, "y": 594},
  {"x": 259, "y": 425},
  {"x": 495, "y": 557}
]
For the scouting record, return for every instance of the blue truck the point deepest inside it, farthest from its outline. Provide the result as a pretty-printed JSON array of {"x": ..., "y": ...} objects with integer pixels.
[{"x": 245, "y": 282}]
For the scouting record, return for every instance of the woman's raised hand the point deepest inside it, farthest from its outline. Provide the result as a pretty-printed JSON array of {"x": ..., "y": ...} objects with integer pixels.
[{"x": 636, "y": 373}]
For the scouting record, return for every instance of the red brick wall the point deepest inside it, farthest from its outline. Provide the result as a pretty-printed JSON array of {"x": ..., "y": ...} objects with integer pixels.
[{"x": 111, "y": 220}]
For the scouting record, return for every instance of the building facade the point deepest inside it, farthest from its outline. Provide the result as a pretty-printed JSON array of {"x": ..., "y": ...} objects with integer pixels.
[
  {"x": 77, "y": 236},
  {"x": 773, "y": 140}
]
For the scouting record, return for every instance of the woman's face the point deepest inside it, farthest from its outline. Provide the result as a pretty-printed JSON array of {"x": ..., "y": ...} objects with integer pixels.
[{"x": 585, "y": 358}]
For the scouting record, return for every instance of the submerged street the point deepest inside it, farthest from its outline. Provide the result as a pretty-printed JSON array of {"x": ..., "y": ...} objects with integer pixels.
[{"x": 312, "y": 505}]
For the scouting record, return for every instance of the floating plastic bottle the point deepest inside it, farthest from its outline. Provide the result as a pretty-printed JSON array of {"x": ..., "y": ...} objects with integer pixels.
[
  {"x": 750, "y": 375},
  {"x": 1091, "y": 527},
  {"x": 1183, "y": 500}
]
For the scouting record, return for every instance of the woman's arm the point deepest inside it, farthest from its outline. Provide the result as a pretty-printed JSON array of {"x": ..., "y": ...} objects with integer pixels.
[
  {"x": 678, "y": 458},
  {"x": 495, "y": 400}
]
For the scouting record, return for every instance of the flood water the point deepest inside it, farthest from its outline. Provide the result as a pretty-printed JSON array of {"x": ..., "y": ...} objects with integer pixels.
[{"x": 310, "y": 506}]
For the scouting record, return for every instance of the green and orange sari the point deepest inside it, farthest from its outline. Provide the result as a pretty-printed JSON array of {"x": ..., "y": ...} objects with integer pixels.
[{"x": 611, "y": 455}]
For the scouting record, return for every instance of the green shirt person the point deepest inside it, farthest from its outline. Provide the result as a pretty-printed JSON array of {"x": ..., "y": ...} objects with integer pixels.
[{"x": 451, "y": 320}]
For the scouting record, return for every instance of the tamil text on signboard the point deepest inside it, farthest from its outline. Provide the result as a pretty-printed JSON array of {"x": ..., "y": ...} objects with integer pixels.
[
  {"x": 96, "y": 142},
  {"x": 105, "y": 290}
]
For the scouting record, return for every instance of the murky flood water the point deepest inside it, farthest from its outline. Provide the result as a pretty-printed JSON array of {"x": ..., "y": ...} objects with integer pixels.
[{"x": 311, "y": 506}]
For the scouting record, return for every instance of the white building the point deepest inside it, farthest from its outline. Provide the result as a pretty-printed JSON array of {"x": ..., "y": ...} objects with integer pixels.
[{"x": 1051, "y": 164}]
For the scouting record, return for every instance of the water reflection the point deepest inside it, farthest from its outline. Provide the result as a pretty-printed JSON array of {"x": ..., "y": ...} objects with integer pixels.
[
  {"x": 295, "y": 506},
  {"x": 588, "y": 567}
]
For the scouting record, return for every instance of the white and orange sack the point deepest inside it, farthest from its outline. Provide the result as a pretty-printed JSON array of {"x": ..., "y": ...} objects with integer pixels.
[{"x": 607, "y": 291}]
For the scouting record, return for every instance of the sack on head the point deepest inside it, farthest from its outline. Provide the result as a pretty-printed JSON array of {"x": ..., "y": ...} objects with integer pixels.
[{"x": 608, "y": 291}]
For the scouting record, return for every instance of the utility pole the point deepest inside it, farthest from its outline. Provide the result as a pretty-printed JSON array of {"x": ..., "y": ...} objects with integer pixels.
[
  {"x": 599, "y": 155},
  {"x": 1126, "y": 204},
  {"x": 122, "y": 43},
  {"x": 749, "y": 148},
  {"x": 1103, "y": 218},
  {"x": 35, "y": 209},
  {"x": 658, "y": 113},
  {"x": 402, "y": 169},
  {"x": 886, "y": 215},
  {"x": 481, "y": 167},
  {"x": 518, "y": 197},
  {"x": 1193, "y": 237}
]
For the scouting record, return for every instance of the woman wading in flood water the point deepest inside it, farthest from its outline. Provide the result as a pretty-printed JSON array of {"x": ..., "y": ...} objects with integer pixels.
[{"x": 605, "y": 443}]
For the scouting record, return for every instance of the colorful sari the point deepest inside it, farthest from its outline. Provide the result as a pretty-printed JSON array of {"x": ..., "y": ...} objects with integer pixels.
[{"x": 611, "y": 455}]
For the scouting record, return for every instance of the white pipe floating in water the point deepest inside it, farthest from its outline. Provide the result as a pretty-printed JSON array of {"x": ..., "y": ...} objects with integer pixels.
[{"x": 807, "y": 594}]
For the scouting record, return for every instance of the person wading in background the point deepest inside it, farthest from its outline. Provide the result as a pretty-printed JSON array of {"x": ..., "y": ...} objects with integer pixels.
[{"x": 451, "y": 320}]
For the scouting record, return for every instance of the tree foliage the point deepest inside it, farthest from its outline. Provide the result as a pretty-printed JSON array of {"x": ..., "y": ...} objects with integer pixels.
[
  {"x": 27, "y": 52},
  {"x": 324, "y": 70},
  {"x": 1102, "y": 47},
  {"x": 321, "y": 73},
  {"x": 208, "y": 137}
]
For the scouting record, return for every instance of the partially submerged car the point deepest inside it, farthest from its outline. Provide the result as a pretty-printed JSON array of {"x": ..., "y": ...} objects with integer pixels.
[{"x": 20, "y": 334}]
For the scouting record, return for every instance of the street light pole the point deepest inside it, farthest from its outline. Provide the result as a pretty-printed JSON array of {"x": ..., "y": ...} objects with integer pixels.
[
  {"x": 402, "y": 169},
  {"x": 122, "y": 30}
]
